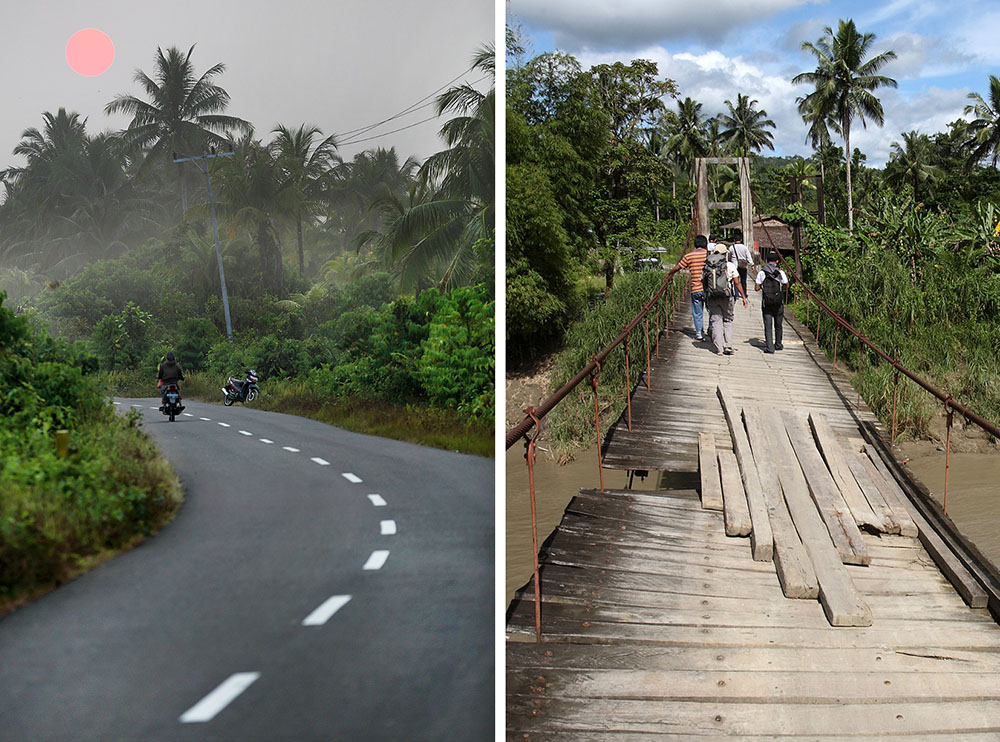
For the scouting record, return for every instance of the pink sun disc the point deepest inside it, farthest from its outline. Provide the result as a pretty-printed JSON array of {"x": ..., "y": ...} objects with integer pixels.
[{"x": 90, "y": 52}]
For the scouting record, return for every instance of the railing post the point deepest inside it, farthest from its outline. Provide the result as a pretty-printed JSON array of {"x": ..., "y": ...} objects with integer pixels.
[
  {"x": 529, "y": 455},
  {"x": 895, "y": 396},
  {"x": 836, "y": 334},
  {"x": 649, "y": 385},
  {"x": 597, "y": 418},
  {"x": 949, "y": 414},
  {"x": 657, "y": 330},
  {"x": 628, "y": 388}
]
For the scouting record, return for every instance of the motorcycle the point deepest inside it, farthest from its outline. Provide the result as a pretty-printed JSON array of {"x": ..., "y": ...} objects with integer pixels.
[
  {"x": 237, "y": 390},
  {"x": 172, "y": 401}
]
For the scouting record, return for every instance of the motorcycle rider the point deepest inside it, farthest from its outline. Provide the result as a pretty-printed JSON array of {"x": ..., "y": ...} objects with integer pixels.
[{"x": 169, "y": 372}]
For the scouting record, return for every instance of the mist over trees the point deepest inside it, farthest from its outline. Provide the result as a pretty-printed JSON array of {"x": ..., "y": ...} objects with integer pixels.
[{"x": 104, "y": 238}]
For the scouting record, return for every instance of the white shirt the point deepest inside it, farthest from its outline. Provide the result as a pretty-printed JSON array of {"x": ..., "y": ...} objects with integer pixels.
[
  {"x": 738, "y": 250},
  {"x": 760, "y": 277}
]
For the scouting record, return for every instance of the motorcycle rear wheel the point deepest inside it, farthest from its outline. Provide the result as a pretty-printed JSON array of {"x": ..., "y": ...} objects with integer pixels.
[
  {"x": 227, "y": 401},
  {"x": 252, "y": 395}
]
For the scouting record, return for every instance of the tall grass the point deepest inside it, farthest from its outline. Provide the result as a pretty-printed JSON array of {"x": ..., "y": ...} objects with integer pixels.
[
  {"x": 59, "y": 516},
  {"x": 924, "y": 290},
  {"x": 571, "y": 423}
]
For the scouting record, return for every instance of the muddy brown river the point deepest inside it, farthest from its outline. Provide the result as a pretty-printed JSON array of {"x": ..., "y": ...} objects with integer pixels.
[
  {"x": 973, "y": 494},
  {"x": 973, "y": 499}
]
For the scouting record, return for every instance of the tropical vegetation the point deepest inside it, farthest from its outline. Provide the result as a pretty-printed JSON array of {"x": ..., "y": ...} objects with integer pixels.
[{"x": 909, "y": 252}]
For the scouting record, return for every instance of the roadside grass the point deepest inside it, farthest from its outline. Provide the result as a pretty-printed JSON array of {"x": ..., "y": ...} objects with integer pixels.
[
  {"x": 60, "y": 517},
  {"x": 425, "y": 426}
]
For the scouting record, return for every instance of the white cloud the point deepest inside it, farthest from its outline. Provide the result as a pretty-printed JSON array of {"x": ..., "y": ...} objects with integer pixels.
[
  {"x": 923, "y": 56},
  {"x": 603, "y": 24}
]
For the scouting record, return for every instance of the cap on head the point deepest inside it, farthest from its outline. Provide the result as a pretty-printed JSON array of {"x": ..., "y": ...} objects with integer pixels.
[
  {"x": 772, "y": 257},
  {"x": 170, "y": 356},
  {"x": 720, "y": 248},
  {"x": 701, "y": 241}
]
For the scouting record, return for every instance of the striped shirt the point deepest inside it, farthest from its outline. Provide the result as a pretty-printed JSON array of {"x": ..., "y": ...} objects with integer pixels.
[{"x": 694, "y": 261}]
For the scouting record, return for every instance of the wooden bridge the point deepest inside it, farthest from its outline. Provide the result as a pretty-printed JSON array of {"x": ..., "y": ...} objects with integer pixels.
[{"x": 776, "y": 578}]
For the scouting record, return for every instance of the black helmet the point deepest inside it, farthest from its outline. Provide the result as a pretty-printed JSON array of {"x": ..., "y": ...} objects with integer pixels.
[{"x": 170, "y": 356}]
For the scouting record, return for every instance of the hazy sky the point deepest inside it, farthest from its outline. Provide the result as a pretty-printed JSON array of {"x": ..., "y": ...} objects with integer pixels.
[
  {"x": 715, "y": 49},
  {"x": 337, "y": 65}
]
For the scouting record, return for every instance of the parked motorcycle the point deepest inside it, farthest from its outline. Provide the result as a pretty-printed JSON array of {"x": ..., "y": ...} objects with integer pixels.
[
  {"x": 172, "y": 406},
  {"x": 241, "y": 390}
]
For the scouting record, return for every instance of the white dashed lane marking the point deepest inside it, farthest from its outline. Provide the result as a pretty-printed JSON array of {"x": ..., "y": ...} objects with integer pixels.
[
  {"x": 377, "y": 500},
  {"x": 351, "y": 477},
  {"x": 265, "y": 440},
  {"x": 322, "y": 614},
  {"x": 377, "y": 559},
  {"x": 153, "y": 408},
  {"x": 118, "y": 403},
  {"x": 289, "y": 448},
  {"x": 321, "y": 462},
  {"x": 187, "y": 414},
  {"x": 208, "y": 707},
  {"x": 225, "y": 425},
  {"x": 206, "y": 419},
  {"x": 388, "y": 527},
  {"x": 244, "y": 432}
]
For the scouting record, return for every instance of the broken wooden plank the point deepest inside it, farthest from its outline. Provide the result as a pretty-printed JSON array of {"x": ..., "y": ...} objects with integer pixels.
[
  {"x": 834, "y": 456},
  {"x": 840, "y": 599},
  {"x": 962, "y": 580},
  {"x": 791, "y": 560},
  {"x": 832, "y": 508},
  {"x": 871, "y": 491},
  {"x": 708, "y": 465},
  {"x": 891, "y": 493},
  {"x": 761, "y": 536},
  {"x": 734, "y": 499}
]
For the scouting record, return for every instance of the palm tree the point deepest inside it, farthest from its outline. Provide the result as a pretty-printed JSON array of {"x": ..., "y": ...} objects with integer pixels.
[
  {"x": 306, "y": 167},
  {"x": 255, "y": 194},
  {"x": 843, "y": 81},
  {"x": 183, "y": 112},
  {"x": 909, "y": 163},
  {"x": 685, "y": 132},
  {"x": 438, "y": 231},
  {"x": 984, "y": 129},
  {"x": 746, "y": 127}
]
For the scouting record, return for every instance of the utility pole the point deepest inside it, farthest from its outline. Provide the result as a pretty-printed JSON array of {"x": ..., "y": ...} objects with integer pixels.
[{"x": 215, "y": 226}]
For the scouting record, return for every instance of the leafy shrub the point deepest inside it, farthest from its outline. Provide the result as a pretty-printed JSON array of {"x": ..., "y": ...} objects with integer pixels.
[
  {"x": 197, "y": 335},
  {"x": 121, "y": 340},
  {"x": 457, "y": 365}
]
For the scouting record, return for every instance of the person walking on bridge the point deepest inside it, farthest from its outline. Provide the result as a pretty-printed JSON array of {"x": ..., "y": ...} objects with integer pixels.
[
  {"x": 694, "y": 261},
  {"x": 772, "y": 280},
  {"x": 740, "y": 254},
  {"x": 721, "y": 282}
]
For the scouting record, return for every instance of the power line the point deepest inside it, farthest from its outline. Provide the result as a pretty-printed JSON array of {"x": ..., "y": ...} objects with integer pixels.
[
  {"x": 406, "y": 111},
  {"x": 411, "y": 109}
]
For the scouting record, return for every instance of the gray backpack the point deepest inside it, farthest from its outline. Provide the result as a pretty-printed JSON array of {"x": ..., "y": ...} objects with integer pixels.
[{"x": 715, "y": 278}]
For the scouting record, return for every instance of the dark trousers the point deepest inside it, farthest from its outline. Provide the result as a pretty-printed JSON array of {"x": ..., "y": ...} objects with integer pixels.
[
  {"x": 743, "y": 279},
  {"x": 772, "y": 325}
]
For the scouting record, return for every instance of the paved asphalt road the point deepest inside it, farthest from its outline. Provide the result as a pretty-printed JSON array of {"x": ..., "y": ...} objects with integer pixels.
[{"x": 201, "y": 633}]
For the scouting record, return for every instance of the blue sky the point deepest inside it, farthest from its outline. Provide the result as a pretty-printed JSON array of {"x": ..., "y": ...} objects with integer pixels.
[{"x": 715, "y": 49}]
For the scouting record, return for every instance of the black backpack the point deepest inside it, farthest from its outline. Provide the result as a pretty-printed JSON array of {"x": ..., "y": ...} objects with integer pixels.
[
  {"x": 774, "y": 297},
  {"x": 715, "y": 278}
]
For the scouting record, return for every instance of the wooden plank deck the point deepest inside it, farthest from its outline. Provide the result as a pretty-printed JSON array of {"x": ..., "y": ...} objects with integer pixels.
[{"x": 656, "y": 624}]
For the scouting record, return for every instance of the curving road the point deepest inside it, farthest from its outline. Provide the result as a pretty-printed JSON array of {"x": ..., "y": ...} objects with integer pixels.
[{"x": 317, "y": 584}]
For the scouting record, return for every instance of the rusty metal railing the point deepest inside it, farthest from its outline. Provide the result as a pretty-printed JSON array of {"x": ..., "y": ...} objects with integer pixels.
[
  {"x": 665, "y": 297},
  {"x": 950, "y": 405}
]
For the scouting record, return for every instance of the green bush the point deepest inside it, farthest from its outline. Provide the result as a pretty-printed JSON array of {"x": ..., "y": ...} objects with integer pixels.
[
  {"x": 121, "y": 340},
  {"x": 197, "y": 335},
  {"x": 457, "y": 365}
]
